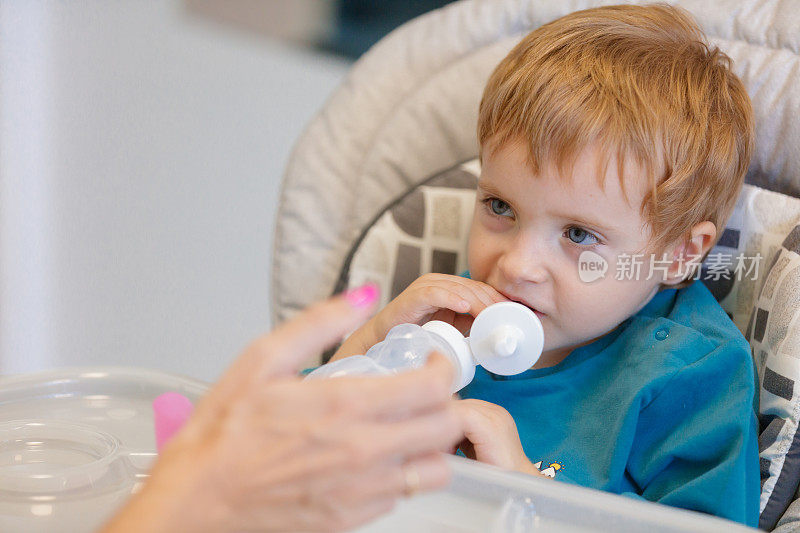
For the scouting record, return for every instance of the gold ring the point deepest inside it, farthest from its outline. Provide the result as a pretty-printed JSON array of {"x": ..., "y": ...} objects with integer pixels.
[{"x": 411, "y": 479}]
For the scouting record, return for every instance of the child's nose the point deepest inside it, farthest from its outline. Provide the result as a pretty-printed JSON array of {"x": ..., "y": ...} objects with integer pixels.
[{"x": 520, "y": 264}]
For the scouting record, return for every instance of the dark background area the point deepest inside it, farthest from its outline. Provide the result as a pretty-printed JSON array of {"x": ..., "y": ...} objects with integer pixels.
[{"x": 360, "y": 23}]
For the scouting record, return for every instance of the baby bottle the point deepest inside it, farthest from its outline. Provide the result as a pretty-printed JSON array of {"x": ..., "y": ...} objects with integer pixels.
[{"x": 506, "y": 338}]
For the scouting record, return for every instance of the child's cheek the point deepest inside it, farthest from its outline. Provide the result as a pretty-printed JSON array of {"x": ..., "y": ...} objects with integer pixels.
[{"x": 480, "y": 252}]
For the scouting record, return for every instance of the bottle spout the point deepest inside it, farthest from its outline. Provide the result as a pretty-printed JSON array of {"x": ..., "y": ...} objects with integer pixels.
[{"x": 505, "y": 340}]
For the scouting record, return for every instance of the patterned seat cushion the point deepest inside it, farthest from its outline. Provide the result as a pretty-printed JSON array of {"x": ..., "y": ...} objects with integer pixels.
[
  {"x": 774, "y": 335},
  {"x": 425, "y": 230}
]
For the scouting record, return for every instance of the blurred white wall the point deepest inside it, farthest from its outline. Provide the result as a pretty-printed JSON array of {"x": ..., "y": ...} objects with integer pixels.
[{"x": 141, "y": 150}]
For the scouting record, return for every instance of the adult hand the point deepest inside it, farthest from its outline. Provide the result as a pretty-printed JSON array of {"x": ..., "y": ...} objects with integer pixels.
[{"x": 266, "y": 451}]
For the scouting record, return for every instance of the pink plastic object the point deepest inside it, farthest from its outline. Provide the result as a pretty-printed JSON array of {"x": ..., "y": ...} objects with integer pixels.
[{"x": 170, "y": 411}]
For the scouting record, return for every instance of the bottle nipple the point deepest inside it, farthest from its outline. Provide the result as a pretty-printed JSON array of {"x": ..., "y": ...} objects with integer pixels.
[{"x": 505, "y": 340}]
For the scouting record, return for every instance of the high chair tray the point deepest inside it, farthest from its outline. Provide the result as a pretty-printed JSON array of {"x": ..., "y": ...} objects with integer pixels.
[
  {"x": 74, "y": 444},
  {"x": 482, "y": 498}
]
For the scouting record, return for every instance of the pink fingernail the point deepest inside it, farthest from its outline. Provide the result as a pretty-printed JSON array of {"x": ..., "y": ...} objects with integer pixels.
[
  {"x": 363, "y": 296},
  {"x": 170, "y": 412}
]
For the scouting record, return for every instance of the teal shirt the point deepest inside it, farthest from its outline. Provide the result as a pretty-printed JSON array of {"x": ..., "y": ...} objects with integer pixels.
[{"x": 661, "y": 408}]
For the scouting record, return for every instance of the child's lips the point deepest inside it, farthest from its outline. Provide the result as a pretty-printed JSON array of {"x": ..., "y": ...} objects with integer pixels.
[{"x": 538, "y": 313}]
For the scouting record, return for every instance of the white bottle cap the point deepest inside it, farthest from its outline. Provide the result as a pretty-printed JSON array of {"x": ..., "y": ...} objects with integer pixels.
[
  {"x": 464, "y": 363},
  {"x": 506, "y": 338}
]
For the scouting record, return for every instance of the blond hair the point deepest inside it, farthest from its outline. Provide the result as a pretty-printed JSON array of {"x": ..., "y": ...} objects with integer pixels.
[{"x": 643, "y": 82}]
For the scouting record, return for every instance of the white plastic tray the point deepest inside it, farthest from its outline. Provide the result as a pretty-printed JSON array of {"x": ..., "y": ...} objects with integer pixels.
[
  {"x": 74, "y": 444},
  {"x": 485, "y": 499}
]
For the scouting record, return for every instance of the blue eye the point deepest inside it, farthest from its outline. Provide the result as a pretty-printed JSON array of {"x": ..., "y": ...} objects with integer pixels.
[
  {"x": 579, "y": 235},
  {"x": 500, "y": 208}
]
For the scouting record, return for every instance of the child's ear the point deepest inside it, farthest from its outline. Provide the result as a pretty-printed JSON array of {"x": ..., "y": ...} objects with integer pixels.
[{"x": 686, "y": 255}]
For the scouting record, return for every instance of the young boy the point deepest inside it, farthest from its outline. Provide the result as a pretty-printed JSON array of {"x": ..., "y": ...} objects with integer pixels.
[{"x": 614, "y": 136}]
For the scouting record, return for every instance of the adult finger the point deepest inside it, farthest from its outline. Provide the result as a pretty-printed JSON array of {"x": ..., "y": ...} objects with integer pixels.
[
  {"x": 327, "y": 517},
  {"x": 314, "y": 330},
  {"x": 415, "y": 391},
  {"x": 332, "y": 452},
  {"x": 381, "y": 397},
  {"x": 413, "y": 436},
  {"x": 423, "y": 473},
  {"x": 310, "y": 515},
  {"x": 385, "y": 479}
]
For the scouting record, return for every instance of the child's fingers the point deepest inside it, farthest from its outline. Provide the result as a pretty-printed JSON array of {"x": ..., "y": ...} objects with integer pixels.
[
  {"x": 475, "y": 421},
  {"x": 495, "y": 296},
  {"x": 466, "y": 287},
  {"x": 479, "y": 295},
  {"x": 468, "y": 300},
  {"x": 484, "y": 292},
  {"x": 437, "y": 296},
  {"x": 490, "y": 295},
  {"x": 492, "y": 434},
  {"x": 474, "y": 293}
]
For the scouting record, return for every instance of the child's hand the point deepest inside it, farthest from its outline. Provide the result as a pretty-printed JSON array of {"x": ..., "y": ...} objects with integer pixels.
[
  {"x": 451, "y": 299},
  {"x": 490, "y": 436}
]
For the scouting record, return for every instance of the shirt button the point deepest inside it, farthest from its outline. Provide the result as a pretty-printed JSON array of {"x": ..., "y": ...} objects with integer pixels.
[{"x": 662, "y": 334}]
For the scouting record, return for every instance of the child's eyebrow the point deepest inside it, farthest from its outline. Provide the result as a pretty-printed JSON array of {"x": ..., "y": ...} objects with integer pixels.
[
  {"x": 586, "y": 222},
  {"x": 488, "y": 188}
]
